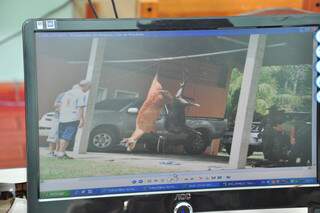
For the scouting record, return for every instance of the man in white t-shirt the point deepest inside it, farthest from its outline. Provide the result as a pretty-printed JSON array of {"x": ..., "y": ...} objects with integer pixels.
[{"x": 71, "y": 115}]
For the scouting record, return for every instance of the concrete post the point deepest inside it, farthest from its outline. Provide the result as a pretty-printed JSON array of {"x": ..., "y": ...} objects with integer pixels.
[
  {"x": 246, "y": 104},
  {"x": 93, "y": 74}
]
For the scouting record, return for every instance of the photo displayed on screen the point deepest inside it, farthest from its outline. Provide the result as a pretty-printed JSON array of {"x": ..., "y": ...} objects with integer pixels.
[{"x": 159, "y": 111}]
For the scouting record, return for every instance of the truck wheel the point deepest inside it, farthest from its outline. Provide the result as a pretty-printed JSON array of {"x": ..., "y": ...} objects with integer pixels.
[
  {"x": 102, "y": 140},
  {"x": 197, "y": 145}
]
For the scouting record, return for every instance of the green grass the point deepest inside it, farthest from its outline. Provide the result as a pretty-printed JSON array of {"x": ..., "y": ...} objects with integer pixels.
[{"x": 52, "y": 168}]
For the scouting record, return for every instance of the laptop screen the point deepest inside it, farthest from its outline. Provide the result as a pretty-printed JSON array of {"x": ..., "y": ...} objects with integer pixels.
[{"x": 149, "y": 112}]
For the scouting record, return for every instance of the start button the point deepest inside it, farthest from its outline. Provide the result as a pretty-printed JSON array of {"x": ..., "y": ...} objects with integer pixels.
[{"x": 183, "y": 207}]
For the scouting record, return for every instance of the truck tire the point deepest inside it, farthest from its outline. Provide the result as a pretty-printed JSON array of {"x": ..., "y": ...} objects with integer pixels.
[
  {"x": 198, "y": 144},
  {"x": 102, "y": 139}
]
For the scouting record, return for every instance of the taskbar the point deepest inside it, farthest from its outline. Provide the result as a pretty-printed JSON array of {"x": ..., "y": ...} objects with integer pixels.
[{"x": 176, "y": 187}]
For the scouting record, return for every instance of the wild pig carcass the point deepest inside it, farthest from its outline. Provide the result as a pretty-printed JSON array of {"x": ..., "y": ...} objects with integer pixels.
[{"x": 149, "y": 112}]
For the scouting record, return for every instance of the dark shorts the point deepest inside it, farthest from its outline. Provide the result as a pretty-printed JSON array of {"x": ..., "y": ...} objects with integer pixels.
[{"x": 68, "y": 130}]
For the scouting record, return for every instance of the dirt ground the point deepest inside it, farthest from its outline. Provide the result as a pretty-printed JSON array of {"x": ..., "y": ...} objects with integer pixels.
[{"x": 118, "y": 163}]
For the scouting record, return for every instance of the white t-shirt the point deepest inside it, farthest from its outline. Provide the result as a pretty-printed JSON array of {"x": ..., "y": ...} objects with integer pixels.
[{"x": 71, "y": 103}]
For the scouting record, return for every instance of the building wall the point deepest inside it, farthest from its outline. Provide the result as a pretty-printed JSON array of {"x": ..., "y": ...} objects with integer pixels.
[
  {"x": 51, "y": 82},
  {"x": 12, "y": 15},
  {"x": 212, "y": 99},
  {"x": 55, "y": 76}
]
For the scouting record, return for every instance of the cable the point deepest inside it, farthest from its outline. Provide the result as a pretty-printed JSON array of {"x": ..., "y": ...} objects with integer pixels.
[
  {"x": 114, "y": 9},
  {"x": 51, "y": 12},
  {"x": 93, "y": 9}
]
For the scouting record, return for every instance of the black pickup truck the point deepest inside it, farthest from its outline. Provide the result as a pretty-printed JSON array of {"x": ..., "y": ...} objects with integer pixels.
[{"x": 115, "y": 119}]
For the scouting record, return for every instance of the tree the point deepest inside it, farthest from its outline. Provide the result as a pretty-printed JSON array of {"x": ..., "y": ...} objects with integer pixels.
[{"x": 289, "y": 87}]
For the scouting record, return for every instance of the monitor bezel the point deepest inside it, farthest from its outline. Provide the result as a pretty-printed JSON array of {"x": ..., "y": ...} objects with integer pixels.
[{"x": 69, "y": 25}]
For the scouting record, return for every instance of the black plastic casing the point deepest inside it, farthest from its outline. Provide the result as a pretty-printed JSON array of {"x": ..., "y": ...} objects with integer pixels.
[{"x": 201, "y": 201}]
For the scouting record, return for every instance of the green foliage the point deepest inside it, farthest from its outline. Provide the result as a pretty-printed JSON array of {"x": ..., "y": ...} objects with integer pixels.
[{"x": 289, "y": 87}]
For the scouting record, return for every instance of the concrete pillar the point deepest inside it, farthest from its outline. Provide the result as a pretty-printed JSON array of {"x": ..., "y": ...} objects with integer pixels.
[
  {"x": 246, "y": 104},
  {"x": 93, "y": 74}
]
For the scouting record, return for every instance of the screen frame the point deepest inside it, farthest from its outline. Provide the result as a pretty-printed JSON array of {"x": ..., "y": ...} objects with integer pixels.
[{"x": 69, "y": 25}]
